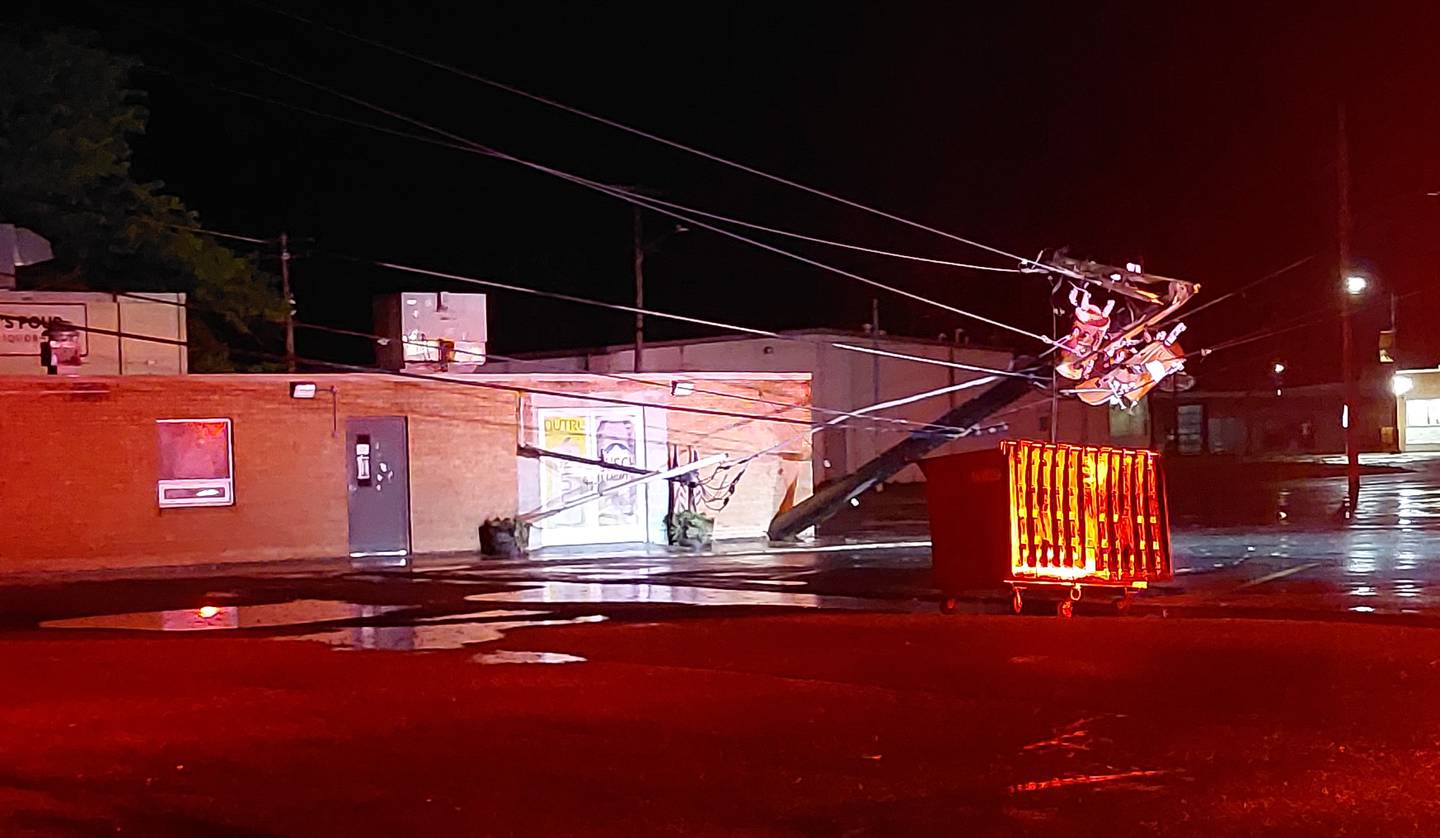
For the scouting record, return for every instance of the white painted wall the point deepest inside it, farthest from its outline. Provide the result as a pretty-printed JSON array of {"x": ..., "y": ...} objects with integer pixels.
[{"x": 843, "y": 380}]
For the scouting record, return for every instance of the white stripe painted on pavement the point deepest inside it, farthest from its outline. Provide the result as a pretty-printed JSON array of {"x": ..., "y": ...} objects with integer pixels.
[{"x": 1279, "y": 574}]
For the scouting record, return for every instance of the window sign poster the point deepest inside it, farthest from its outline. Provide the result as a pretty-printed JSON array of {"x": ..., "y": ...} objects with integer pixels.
[
  {"x": 562, "y": 480},
  {"x": 616, "y": 440}
]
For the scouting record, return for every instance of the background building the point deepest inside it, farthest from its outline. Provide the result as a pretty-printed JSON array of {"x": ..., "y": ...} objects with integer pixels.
[
  {"x": 1417, "y": 409},
  {"x": 846, "y": 380},
  {"x": 155, "y": 322}
]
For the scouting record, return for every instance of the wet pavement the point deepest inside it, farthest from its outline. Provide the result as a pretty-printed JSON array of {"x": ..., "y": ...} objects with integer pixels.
[
  {"x": 812, "y": 689},
  {"x": 767, "y": 721},
  {"x": 1303, "y": 559}
]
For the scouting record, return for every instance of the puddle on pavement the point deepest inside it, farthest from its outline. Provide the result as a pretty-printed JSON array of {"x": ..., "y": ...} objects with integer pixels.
[
  {"x": 502, "y": 657},
  {"x": 426, "y": 637},
  {"x": 440, "y": 631},
  {"x": 594, "y": 592},
  {"x": 216, "y": 617}
]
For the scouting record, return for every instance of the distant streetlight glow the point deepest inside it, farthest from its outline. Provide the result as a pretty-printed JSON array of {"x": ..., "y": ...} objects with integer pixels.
[
  {"x": 1356, "y": 284},
  {"x": 1402, "y": 384},
  {"x": 1278, "y": 368}
]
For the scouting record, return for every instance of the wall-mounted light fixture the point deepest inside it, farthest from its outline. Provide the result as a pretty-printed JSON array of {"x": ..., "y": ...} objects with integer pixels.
[{"x": 309, "y": 389}]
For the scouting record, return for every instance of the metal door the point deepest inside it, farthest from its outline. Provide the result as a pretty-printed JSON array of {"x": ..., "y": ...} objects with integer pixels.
[{"x": 377, "y": 467}]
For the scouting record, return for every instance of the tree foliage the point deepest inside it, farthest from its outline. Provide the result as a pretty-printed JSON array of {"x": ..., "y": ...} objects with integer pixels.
[{"x": 67, "y": 114}]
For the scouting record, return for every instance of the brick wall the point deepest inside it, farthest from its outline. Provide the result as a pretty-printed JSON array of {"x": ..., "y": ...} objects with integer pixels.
[{"x": 78, "y": 462}]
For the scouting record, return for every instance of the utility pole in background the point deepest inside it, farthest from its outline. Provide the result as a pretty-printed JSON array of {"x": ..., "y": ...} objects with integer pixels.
[
  {"x": 875, "y": 343},
  {"x": 639, "y": 295},
  {"x": 1348, "y": 287},
  {"x": 289, "y": 302}
]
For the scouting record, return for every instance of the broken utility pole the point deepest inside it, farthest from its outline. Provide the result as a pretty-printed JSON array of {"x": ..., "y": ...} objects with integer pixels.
[{"x": 831, "y": 499}]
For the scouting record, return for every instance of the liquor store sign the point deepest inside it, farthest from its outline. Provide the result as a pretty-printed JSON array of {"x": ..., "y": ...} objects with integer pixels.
[{"x": 22, "y": 325}]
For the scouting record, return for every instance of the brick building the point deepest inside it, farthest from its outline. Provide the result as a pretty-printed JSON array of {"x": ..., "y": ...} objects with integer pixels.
[{"x": 164, "y": 470}]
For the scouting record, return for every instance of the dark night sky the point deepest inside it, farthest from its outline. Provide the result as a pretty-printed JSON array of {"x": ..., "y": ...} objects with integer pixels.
[{"x": 1202, "y": 141}]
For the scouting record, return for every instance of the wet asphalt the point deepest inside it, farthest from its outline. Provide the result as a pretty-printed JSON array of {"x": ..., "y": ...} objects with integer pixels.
[
  {"x": 808, "y": 690},
  {"x": 1281, "y": 549}
]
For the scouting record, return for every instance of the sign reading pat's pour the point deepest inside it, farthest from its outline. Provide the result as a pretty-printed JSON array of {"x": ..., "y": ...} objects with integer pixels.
[{"x": 22, "y": 325}]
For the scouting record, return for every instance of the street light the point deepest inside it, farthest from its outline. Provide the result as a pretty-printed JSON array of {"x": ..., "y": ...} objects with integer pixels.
[
  {"x": 1355, "y": 285},
  {"x": 1278, "y": 369},
  {"x": 1401, "y": 384}
]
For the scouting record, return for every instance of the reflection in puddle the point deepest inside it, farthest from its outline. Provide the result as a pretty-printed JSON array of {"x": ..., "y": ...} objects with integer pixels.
[
  {"x": 211, "y": 617},
  {"x": 526, "y": 657},
  {"x": 445, "y": 631},
  {"x": 676, "y": 594},
  {"x": 432, "y": 636}
]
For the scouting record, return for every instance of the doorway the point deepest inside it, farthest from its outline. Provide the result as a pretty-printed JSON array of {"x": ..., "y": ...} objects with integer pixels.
[
  {"x": 620, "y": 513},
  {"x": 378, "y": 474}
]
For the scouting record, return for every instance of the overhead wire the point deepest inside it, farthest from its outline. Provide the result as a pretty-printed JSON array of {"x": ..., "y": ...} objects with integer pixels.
[
  {"x": 495, "y": 284},
  {"x": 628, "y": 196},
  {"x": 1302, "y": 321},
  {"x": 682, "y": 318},
  {"x": 512, "y": 89},
  {"x": 829, "y": 243},
  {"x": 872, "y": 423},
  {"x": 469, "y": 149},
  {"x": 875, "y": 423},
  {"x": 1242, "y": 289}
]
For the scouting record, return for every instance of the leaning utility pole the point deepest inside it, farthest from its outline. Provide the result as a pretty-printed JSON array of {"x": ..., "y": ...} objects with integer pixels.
[
  {"x": 1347, "y": 347},
  {"x": 290, "y": 364},
  {"x": 831, "y": 499}
]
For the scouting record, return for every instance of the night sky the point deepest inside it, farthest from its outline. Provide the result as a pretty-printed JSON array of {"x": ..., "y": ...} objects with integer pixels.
[{"x": 1202, "y": 142}]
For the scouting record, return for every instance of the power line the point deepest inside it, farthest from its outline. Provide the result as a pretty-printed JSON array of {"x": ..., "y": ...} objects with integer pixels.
[
  {"x": 621, "y": 194},
  {"x": 520, "y": 289},
  {"x": 683, "y": 318},
  {"x": 646, "y": 202},
  {"x": 650, "y": 136},
  {"x": 71, "y": 206},
  {"x": 829, "y": 243},
  {"x": 1247, "y": 286},
  {"x": 873, "y": 423},
  {"x": 670, "y": 204},
  {"x": 1300, "y": 322},
  {"x": 1374, "y": 220}
]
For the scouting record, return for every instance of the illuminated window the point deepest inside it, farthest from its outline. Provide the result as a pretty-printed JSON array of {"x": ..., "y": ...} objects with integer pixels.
[
  {"x": 196, "y": 466},
  {"x": 1422, "y": 412},
  {"x": 1422, "y": 420}
]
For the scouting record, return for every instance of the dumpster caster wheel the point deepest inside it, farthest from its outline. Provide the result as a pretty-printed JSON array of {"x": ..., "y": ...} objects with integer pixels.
[
  {"x": 1065, "y": 609},
  {"x": 1016, "y": 602},
  {"x": 949, "y": 604}
]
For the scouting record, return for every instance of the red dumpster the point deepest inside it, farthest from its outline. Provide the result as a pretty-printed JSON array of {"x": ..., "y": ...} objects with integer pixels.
[{"x": 1057, "y": 517}]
